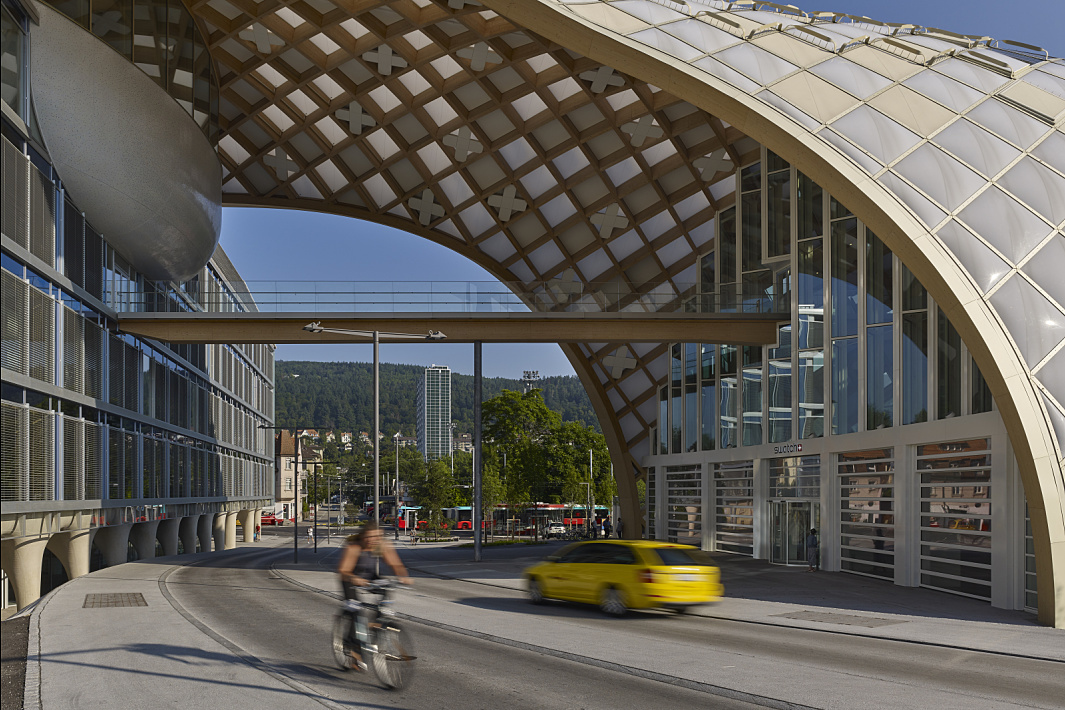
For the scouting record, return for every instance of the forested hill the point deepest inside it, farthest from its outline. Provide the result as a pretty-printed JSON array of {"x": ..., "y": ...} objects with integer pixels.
[{"x": 339, "y": 395}]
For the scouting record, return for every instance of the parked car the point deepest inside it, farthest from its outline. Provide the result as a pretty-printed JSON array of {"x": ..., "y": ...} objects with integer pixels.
[
  {"x": 555, "y": 530},
  {"x": 619, "y": 575},
  {"x": 269, "y": 519}
]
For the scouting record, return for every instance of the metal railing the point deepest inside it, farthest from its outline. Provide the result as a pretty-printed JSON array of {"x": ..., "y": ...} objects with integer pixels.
[{"x": 555, "y": 296}]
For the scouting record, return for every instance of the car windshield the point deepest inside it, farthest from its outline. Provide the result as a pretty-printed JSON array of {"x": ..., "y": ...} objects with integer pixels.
[{"x": 679, "y": 556}]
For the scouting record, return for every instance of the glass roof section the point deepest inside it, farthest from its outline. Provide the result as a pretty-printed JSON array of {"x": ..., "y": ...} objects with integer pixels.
[{"x": 545, "y": 165}]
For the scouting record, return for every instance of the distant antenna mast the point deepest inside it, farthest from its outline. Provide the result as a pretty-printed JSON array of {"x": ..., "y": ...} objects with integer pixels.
[{"x": 530, "y": 380}]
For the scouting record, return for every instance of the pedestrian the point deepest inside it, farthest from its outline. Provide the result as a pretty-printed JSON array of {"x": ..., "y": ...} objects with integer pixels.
[
  {"x": 618, "y": 528},
  {"x": 310, "y": 535},
  {"x": 607, "y": 527},
  {"x": 258, "y": 532},
  {"x": 811, "y": 551}
]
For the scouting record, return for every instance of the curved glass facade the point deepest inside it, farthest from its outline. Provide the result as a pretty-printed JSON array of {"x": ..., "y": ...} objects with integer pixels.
[{"x": 160, "y": 37}]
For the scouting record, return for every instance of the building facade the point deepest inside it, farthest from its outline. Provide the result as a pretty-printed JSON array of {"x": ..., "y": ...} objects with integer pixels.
[
  {"x": 114, "y": 447},
  {"x": 868, "y": 420},
  {"x": 434, "y": 412},
  {"x": 289, "y": 479}
]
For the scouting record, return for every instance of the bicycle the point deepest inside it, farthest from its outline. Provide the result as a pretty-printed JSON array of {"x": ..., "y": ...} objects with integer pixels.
[{"x": 386, "y": 647}]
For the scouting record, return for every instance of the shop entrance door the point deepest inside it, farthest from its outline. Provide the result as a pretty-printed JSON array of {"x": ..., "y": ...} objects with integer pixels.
[{"x": 791, "y": 521}]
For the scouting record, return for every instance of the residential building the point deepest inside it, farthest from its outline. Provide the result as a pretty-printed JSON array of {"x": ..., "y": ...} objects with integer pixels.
[{"x": 288, "y": 478}]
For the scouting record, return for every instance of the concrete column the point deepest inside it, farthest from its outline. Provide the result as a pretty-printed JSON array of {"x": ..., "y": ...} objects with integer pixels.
[
  {"x": 231, "y": 531},
  {"x": 73, "y": 548},
  {"x": 168, "y": 535},
  {"x": 247, "y": 524},
  {"x": 205, "y": 531},
  {"x": 21, "y": 559},
  {"x": 218, "y": 531},
  {"x": 143, "y": 538},
  {"x": 113, "y": 542},
  {"x": 187, "y": 533}
]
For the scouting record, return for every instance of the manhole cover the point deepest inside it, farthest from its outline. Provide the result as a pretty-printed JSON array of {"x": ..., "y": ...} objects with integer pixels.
[
  {"x": 99, "y": 601},
  {"x": 847, "y": 619}
]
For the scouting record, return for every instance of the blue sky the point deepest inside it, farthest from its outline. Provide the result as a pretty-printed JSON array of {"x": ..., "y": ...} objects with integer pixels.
[{"x": 304, "y": 246}]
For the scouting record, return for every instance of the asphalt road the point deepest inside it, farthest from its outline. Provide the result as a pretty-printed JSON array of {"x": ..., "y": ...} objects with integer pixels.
[{"x": 288, "y": 627}]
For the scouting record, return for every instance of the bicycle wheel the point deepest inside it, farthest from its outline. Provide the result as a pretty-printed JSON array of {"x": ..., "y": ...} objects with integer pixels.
[
  {"x": 393, "y": 664},
  {"x": 341, "y": 645}
]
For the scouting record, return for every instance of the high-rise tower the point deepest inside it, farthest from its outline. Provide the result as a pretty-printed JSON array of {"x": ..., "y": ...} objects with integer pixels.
[{"x": 434, "y": 412}]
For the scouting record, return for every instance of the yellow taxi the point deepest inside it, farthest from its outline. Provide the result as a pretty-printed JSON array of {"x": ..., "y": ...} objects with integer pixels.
[{"x": 619, "y": 575}]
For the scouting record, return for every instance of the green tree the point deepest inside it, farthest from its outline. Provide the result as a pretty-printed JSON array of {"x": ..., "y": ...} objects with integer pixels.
[{"x": 435, "y": 492}]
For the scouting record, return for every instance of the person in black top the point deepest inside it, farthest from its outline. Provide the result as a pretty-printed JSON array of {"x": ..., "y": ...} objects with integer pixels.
[{"x": 359, "y": 566}]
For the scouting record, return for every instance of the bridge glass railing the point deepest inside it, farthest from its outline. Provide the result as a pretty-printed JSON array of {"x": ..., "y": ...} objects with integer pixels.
[{"x": 489, "y": 297}]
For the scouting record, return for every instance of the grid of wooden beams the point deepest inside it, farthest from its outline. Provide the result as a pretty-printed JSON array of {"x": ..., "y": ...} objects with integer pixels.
[{"x": 443, "y": 117}]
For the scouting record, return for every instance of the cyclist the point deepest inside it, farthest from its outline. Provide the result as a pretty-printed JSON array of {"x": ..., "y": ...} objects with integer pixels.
[{"x": 359, "y": 567}]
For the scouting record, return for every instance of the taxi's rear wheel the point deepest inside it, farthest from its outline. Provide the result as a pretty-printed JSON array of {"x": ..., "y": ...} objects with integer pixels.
[
  {"x": 612, "y": 602},
  {"x": 536, "y": 592}
]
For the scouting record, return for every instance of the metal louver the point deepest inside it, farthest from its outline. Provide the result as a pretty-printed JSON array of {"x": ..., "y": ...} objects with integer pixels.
[
  {"x": 16, "y": 195},
  {"x": 73, "y": 351},
  {"x": 14, "y": 465},
  {"x": 42, "y": 455},
  {"x": 94, "y": 359},
  {"x": 42, "y": 337},
  {"x": 42, "y": 217},
  {"x": 73, "y": 459},
  {"x": 14, "y": 323},
  {"x": 94, "y": 437}
]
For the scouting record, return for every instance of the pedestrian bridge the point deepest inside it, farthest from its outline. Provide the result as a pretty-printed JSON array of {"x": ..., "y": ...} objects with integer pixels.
[{"x": 559, "y": 311}]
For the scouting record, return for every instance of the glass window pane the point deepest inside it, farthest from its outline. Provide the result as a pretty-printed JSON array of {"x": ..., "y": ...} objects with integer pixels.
[
  {"x": 728, "y": 412},
  {"x": 708, "y": 401},
  {"x": 691, "y": 418},
  {"x": 708, "y": 361},
  {"x": 915, "y": 367},
  {"x": 811, "y": 394},
  {"x": 751, "y": 177},
  {"x": 878, "y": 280},
  {"x": 150, "y": 49},
  {"x": 663, "y": 420},
  {"x": 981, "y": 392},
  {"x": 691, "y": 363},
  {"x": 811, "y": 294},
  {"x": 844, "y": 256},
  {"x": 948, "y": 369},
  {"x": 811, "y": 208},
  {"x": 675, "y": 365},
  {"x": 778, "y": 186},
  {"x": 77, "y": 10},
  {"x": 728, "y": 359},
  {"x": 112, "y": 21},
  {"x": 708, "y": 273},
  {"x": 728, "y": 246},
  {"x": 676, "y": 416},
  {"x": 914, "y": 295},
  {"x": 845, "y": 386},
  {"x": 779, "y": 401},
  {"x": 752, "y": 231},
  {"x": 880, "y": 376},
  {"x": 774, "y": 162},
  {"x": 11, "y": 62},
  {"x": 752, "y": 403}
]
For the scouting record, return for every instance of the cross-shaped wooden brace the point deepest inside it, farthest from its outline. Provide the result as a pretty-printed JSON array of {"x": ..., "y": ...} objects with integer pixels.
[
  {"x": 566, "y": 284},
  {"x": 263, "y": 38},
  {"x": 716, "y": 162},
  {"x": 602, "y": 78},
  {"x": 426, "y": 207},
  {"x": 642, "y": 129},
  {"x": 385, "y": 60},
  {"x": 479, "y": 55},
  {"x": 356, "y": 118},
  {"x": 282, "y": 165},
  {"x": 609, "y": 219},
  {"x": 619, "y": 361},
  {"x": 463, "y": 142},
  {"x": 507, "y": 203}
]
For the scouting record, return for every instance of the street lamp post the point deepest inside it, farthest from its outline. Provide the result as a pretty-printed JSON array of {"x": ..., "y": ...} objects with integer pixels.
[
  {"x": 398, "y": 505},
  {"x": 375, "y": 335}
]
